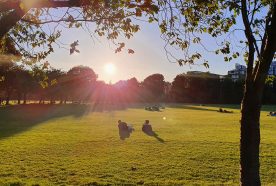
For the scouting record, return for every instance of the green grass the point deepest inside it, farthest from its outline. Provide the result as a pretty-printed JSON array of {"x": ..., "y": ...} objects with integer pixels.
[{"x": 72, "y": 145}]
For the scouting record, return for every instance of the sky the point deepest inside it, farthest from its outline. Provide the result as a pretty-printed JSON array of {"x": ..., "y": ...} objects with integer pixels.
[{"x": 149, "y": 57}]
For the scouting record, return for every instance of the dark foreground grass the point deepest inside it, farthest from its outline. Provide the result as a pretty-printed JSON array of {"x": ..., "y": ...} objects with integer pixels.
[{"x": 73, "y": 145}]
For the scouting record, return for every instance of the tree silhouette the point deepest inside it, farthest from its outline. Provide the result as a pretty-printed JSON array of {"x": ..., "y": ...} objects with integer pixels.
[
  {"x": 81, "y": 80},
  {"x": 154, "y": 88},
  {"x": 8, "y": 74}
]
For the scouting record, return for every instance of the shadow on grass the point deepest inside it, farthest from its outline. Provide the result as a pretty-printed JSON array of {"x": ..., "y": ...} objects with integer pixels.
[
  {"x": 155, "y": 135},
  {"x": 190, "y": 107},
  {"x": 215, "y": 107},
  {"x": 19, "y": 118},
  {"x": 265, "y": 108}
]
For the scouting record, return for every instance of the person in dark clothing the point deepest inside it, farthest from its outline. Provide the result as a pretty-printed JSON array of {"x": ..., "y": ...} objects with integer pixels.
[
  {"x": 122, "y": 125},
  {"x": 124, "y": 130},
  {"x": 147, "y": 127}
]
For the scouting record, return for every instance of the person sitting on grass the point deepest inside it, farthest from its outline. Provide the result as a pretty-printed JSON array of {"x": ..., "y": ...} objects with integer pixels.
[
  {"x": 224, "y": 111},
  {"x": 147, "y": 127},
  {"x": 122, "y": 125},
  {"x": 124, "y": 130},
  {"x": 272, "y": 114},
  {"x": 155, "y": 108}
]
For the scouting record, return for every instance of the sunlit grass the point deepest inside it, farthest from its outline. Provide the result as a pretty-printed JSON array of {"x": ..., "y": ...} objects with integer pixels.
[{"x": 67, "y": 145}]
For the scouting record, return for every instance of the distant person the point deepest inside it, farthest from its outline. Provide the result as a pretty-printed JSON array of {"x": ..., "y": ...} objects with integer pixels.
[
  {"x": 224, "y": 111},
  {"x": 147, "y": 127},
  {"x": 155, "y": 108},
  {"x": 272, "y": 114}
]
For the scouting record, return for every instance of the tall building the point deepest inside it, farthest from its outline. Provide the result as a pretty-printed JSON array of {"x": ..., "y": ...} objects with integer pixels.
[
  {"x": 272, "y": 69},
  {"x": 237, "y": 73},
  {"x": 240, "y": 71}
]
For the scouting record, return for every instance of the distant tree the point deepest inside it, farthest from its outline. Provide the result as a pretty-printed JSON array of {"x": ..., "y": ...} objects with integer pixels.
[
  {"x": 8, "y": 79},
  {"x": 179, "y": 88},
  {"x": 63, "y": 88},
  {"x": 100, "y": 96},
  {"x": 167, "y": 90},
  {"x": 40, "y": 84},
  {"x": 82, "y": 79},
  {"x": 24, "y": 84},
  {"x": 133, "y": 90},
  {"x": 53, "y": 88},
  {"x": 226, "y": 91},
  {"x": 119, "y": 93},
  {"x": 231, "y": 92},
  {"x": 153, "y": 87},
  {"x": 126, "y": 91},
  {"x": 197, "y": 87},
  {"x": 270, "y": 91}
]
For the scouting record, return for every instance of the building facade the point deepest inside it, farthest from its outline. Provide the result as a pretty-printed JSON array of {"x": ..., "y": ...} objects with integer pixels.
[
  {"x": 240, "y": 71},
  {"x": 272, "y": 69}
]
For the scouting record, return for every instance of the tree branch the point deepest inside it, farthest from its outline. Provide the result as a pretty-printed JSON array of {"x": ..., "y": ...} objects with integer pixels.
[
  {"x": 269, "y": 49},
  {"x": 250, "y": 39},
  {"x": 10, "y": 5},
  {"x": 9, "y": 20}
]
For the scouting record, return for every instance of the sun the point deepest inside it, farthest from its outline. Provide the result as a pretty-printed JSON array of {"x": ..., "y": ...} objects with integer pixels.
[{"x": 110, "y": 68}]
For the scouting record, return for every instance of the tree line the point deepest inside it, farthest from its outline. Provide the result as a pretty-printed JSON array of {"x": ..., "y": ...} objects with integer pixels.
[{"x": 80, "y": 85}]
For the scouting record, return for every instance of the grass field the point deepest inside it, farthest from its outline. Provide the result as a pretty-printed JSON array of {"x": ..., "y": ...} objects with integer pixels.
[{"x": 72, "y": 145}]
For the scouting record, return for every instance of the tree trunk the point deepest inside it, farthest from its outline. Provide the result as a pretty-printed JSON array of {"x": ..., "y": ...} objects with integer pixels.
[
  {"x": 8, "y": 100},
  {"x": 251, "y": 104},
  {"x": 40, "y": 101},
  {"x": 52, "y": 101},
  {"x": 250, "y": 135},
  {"x": 25, "y": 98},
  {"x": 19, "y": 99}
]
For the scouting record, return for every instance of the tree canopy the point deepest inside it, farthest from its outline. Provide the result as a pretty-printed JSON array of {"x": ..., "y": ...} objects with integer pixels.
[{"x": 23, "y": 23}]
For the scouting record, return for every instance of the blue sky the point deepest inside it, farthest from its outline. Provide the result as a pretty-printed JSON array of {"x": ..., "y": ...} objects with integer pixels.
[{"x": 149, "y": 56}]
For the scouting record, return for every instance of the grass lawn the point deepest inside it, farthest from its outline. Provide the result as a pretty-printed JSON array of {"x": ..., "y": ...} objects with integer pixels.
[{"x": 71, "y": 145}]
